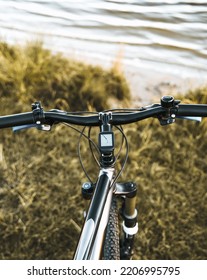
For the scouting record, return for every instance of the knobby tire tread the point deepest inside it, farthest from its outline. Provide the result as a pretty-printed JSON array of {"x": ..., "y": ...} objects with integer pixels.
[{"x": 112, "y": 243}]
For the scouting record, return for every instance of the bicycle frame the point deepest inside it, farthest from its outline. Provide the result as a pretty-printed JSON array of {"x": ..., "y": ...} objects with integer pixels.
[{"x": 92, "y": 236}]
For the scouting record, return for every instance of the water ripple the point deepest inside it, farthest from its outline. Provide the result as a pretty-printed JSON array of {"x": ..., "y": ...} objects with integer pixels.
[{"x": 157, "y": 30}]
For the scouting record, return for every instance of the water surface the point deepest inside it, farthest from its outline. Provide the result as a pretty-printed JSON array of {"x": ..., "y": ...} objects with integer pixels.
[{"x": 162, "y": 35}]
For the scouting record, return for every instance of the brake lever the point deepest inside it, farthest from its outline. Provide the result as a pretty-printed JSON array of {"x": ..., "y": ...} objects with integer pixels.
[
  {"x": 196, "y": 119},
  {"x": 42, "y": 127}
]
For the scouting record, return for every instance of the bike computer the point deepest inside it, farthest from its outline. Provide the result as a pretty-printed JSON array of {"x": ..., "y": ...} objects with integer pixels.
[{"x": 106, "y": 141}]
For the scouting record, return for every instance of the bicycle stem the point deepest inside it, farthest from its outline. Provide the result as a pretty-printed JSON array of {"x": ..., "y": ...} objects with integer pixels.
[{"x": 106, "y": 140}]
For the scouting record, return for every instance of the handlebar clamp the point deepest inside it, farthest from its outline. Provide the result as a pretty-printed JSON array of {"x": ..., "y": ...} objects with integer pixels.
[
  {"x": 171, "y": 106},
  {"x": 38, "y": 112}
]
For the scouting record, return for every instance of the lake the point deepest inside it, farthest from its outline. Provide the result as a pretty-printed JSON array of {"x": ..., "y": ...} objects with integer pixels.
[{"x": 154, "y": 39}]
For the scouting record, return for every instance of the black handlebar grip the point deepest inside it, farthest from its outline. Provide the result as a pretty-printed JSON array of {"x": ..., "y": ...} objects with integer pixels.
[
  {"x": 15, "y": 120},
  {"x": 192, "y": 110}
]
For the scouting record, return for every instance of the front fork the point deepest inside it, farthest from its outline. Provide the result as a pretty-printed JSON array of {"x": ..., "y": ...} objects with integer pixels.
[
  {"x": 128, "y": 212},
  {"x": 127, "y": 191}
]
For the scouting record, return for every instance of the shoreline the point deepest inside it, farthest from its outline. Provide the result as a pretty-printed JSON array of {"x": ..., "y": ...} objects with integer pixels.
[{"x": 148, "y": 85}]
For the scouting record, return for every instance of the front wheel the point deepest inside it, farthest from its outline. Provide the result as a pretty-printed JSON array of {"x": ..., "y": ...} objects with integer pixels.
[{"x": 111, "y": 249}]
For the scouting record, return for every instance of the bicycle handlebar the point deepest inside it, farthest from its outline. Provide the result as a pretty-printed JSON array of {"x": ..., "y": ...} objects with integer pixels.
[{"x": 118, "y": 118}]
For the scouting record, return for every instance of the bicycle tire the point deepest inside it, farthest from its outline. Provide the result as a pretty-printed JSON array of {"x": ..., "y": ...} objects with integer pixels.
[{"x": 111, "y": 249}]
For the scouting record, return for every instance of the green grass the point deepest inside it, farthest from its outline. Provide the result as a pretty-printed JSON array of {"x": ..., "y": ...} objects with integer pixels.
[{"x": 40, "y": 176}]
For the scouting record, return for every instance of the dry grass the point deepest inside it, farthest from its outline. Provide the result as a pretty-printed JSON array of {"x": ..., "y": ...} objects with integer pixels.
[{"x": 40, "y": 180}]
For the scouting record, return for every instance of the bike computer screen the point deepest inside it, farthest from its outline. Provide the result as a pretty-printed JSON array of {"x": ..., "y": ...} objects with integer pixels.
[{"x": 106, "y": 141}]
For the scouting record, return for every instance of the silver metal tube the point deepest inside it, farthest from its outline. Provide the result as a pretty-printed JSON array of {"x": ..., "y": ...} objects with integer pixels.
[
  {"x": 88, "y": 246},
  {"x": 98, "y": 244}
]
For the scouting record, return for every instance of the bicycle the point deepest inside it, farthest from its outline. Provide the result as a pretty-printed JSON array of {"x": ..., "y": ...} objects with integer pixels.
[{"x": 100, "y": 238}]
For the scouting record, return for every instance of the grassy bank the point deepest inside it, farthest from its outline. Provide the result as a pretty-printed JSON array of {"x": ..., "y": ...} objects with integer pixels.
[
  {"x": 34, "y": 73},
  {"x": 40, "y": 176}
]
